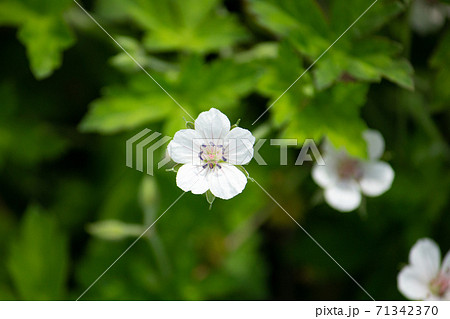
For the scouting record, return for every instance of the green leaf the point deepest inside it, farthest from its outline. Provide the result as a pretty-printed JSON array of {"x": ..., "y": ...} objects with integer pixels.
[
  {"x": 279, "y": 74},
  {"x": 45, "y": 39},
  {"x": 210, "y": 198},
  {"x": 441, "y": 81},
  {"x": 333, "y": 113},
  {"x": 42, "y": 30},
  {"x": 365, "y": 58},
  {"x": 304, "y": 113},
  {"x": 120, "y": 110},
  {"x": 39, "y": 258},
  {"x": 114, "y": 229},
  {"x": 369, "y": 60},
  {"x": 345, "y": 12},
  {"x": 378, "y": 55},
  {"x": 330, "y": 69},
  {"x": 302, "y": 22},
  {"x": 220, "y": 84},
  {"x": 189, "y": 25}
]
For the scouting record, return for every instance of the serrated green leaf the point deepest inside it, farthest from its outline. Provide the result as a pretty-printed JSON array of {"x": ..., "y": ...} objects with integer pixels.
[
  {"x": 329, "y": 70},
  {"x": 42, "y": 30},
  {"x": 122, "y": 110},
  {"x": 39, "y": 258},
  {"x": 45, "y": 39},
  {"x": 369, "y": 60},
  {"x": 221, "y": 84},
  {"x": 333, "y": 113},
  {"x": 189, "y": 25},
  {"x": 302, "y": 22},
  {"x": 345, "y": 12},
  {"x": 279, "y": 74},
  {"x": 363, "y": 58}
]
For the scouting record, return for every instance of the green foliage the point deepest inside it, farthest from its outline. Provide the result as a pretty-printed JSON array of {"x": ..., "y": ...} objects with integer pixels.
[
  {"x": 306, "y": 113},
  {"x": 21, "y": 138},
  {"x": 240, "y": 57},
  {"x": 358, "y": 53},
  {"x": 38, "y": 262},
  {"x": 142, "y": 100},
  {"x": 280, "y": 72},
  {"x": 334, "y": 113},
  {"x": 188, "y": 25},
  {"x": 441, "y": 81},
  {"x": 42, "y": 30}
]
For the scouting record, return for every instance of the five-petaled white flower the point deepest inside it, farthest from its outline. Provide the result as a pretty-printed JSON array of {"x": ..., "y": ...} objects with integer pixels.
[
  {"x": 209, "y": 154},
  {"x": 424, "y": 278},
  {"x": 344, "y": 177}
]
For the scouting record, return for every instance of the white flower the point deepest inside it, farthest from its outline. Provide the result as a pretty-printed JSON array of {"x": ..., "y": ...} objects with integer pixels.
[
  {"x": 424, "y": 278},
  {"x": 209, "y": 154},
  {"x": 344, "y": 177},
  {"x": 428, "y": 16}
]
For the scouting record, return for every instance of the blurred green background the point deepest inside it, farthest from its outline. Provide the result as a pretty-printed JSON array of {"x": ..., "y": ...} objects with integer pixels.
[{"x": 70, "y": 98}]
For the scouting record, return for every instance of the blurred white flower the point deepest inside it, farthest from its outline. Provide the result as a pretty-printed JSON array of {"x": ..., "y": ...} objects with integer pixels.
[
  {"x": 424, "y": 278},
  {"x": 428, "y": 16},
  {"x": 344, "y": 177},
  {"x": 209, "y": 154}
]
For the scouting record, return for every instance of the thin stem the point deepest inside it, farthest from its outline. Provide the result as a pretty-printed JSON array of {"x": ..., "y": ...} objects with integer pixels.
[{"x": 156, "y": 244}]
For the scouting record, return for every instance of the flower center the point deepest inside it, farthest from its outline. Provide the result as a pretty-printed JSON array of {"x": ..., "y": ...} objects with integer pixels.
[
  {"x": 212, "y": 155},
  {"x": 349, "y": 168},
  {"x": 440, "y": 285}
]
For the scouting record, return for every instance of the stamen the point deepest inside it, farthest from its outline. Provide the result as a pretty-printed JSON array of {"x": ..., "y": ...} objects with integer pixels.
[
  {"x": 349, "y": 168},
  {"x": 211, "y": 155},
  {"x": 440, "y": 285}
]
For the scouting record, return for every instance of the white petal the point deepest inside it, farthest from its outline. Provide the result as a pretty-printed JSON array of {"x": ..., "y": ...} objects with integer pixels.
[
  {"x": 445, "y": 269},
  {"x": 431, "y": 297},
  {"x": 377, "y": 178},
  {"x": 192, "y": 178},
  {"x": 212, "y": 124},
  {"x": 446, "y": 295},
  {"x": 375, "y": 144},
  {"x": 426, "y": 17},
  {"x": 185, "y": 146},
  {"x": 239, "y": 146},
  {"x": 344, "y": 196},
  {"x": 326, "y": 175},
  {"x": 227, "y": 182},
  {"x": 412, "y": 285},
  {"x": 425, "y": 258}
]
